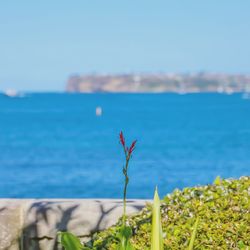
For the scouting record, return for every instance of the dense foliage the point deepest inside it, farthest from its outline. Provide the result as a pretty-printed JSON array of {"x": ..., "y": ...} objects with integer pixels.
[{"x": 223, "y": 210}]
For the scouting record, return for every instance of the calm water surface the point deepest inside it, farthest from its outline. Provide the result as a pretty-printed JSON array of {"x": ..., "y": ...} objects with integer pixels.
[{"x": 53, "y": 145}]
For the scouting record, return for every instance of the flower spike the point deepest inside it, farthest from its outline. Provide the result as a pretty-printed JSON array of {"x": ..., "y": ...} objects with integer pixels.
[{"x": 122, "y": 140}]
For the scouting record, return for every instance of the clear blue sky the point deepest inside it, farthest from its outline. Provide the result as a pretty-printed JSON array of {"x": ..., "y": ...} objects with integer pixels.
[{"x": 43, "y": 42}]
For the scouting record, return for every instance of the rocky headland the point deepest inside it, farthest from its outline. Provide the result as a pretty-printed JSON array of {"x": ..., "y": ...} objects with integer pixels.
[{"x": 157, "y": 83}]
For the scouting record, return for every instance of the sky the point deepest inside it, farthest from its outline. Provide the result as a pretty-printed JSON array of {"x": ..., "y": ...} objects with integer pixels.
[{"x": 43, "y": 42}]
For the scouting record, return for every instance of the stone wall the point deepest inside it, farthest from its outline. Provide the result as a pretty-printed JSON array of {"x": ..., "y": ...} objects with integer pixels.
[{"x": 33, "y": 224}]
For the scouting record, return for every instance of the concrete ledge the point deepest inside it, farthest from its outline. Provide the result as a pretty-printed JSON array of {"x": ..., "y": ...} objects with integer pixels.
[{"x": 30, "y": 224}]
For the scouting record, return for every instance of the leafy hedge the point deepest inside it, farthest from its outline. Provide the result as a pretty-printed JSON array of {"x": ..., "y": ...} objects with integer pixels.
[{"x": 223, "y": 209}]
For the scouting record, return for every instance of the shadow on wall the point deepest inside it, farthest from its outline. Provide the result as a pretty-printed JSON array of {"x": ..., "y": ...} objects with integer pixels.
[
  {"x": 40, "y": 229},
  {"x": 43, "y": 219},
  {"x": 2, "y": 209}
]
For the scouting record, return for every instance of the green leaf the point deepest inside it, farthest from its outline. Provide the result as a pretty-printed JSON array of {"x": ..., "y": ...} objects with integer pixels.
[
  {"x": 124, "y": 236},
  {"x": 217, "y": 181},
  {"x": 126, "y": 232},
  {"x": 241, "y": 245},
  {"x": 156, "y": 237},
  {"x": 70, "y": 241},
  {"x": 191, "y": 244},
  {"x": 125, "y": 245}
]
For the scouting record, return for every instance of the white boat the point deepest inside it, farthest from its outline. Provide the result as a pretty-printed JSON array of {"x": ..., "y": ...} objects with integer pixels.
[
  {"x": 12, "y": 93},
  {"x": 98, "y": 111}
]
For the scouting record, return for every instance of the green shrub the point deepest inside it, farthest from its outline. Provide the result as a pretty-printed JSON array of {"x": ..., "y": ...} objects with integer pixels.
[{"x": 223, "y": 210}]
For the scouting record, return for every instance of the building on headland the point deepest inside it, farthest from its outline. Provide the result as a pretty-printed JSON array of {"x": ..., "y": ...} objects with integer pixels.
[{"x": 158, "y": 83}]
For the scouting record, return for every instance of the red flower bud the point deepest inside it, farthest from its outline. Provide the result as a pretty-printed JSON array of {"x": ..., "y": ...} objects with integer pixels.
[
  {"x": 122, "y": 140},
  {"x": 132, "y": 147}
]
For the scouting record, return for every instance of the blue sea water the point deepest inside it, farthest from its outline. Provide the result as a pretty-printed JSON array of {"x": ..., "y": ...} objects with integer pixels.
[{"x": 53, "y": 145}]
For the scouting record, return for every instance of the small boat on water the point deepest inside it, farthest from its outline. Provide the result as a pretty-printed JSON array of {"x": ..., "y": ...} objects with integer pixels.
[
  {"x": 12, "y": 93},
  {"x": 98, "y": 111}
]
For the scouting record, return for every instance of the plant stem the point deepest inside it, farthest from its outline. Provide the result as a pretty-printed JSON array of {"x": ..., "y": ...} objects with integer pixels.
[{"x": 125, "y": 172}]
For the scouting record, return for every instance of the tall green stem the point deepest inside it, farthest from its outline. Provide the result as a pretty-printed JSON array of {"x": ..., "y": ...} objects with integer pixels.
[
  {"x": 127, "y": 152},
  {"x": 125, "y": 172}
]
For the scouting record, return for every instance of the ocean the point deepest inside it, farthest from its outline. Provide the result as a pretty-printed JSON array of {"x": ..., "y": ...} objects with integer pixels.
[{"x": 53, "y": 145}]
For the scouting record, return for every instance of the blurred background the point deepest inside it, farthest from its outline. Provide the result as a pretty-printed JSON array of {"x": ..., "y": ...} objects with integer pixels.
[{"x": 173, "y": 75}]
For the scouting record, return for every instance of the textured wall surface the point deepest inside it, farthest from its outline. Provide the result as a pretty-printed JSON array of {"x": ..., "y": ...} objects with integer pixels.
[{"x": 33, "y": 224}]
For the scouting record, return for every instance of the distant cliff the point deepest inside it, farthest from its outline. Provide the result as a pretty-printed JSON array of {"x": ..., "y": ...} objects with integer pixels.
[{"x": 180, "y": 83}]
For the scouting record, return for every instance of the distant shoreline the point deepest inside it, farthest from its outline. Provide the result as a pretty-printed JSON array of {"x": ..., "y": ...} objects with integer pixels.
[{"x": 159, "y": 83}]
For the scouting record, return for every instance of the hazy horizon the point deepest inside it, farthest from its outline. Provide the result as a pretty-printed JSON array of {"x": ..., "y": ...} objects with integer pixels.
[{"x": 43, "y": 43}]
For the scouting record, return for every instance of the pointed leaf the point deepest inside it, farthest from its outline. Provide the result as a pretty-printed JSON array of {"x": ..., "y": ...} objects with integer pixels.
[
  {"x": 217, "y": 181},
  {"x": 156, "y": 237}
]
